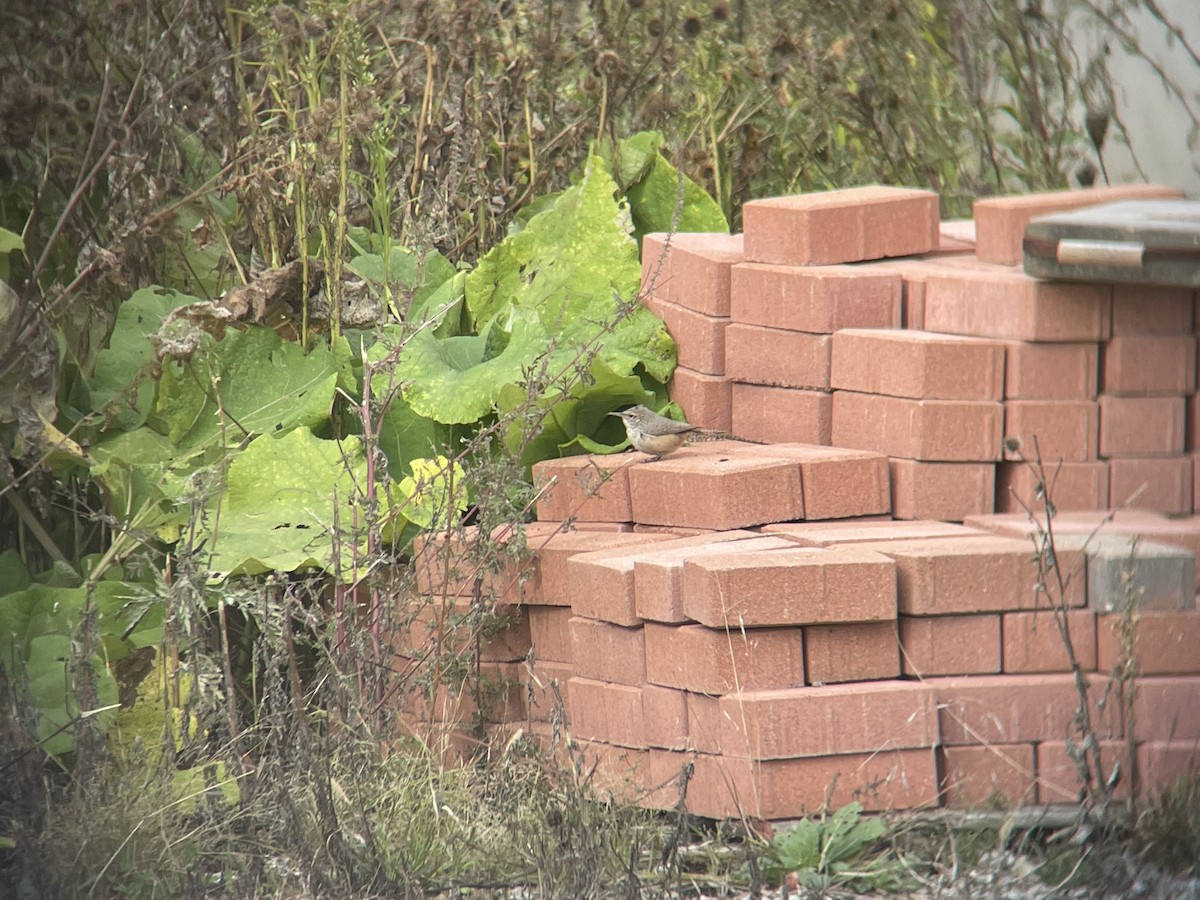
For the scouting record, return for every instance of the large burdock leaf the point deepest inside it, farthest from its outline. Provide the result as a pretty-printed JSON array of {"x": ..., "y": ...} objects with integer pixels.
[
  {"x": 652, "y": 187},
  {"x": 128, "y": 353},
  {"x": 578, "y": 422},
  {"x": 456, "y": 380},
  {"x": 251, "y": 382},
  {"x": 435, "y": 494},
  {"x": 283, "y": 499},
  {"x": 574, "y": 270},
  {"x": 38, "y": 625}
]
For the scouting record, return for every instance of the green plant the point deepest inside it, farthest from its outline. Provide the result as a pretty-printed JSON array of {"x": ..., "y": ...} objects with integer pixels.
[
  {"x": 1168, "y": 830},
  {"x": 830, "y": 851}
]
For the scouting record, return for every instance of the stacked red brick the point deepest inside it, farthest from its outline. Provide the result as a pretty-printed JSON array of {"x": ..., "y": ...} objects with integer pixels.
[
  {"x": 1064, "y": 343},
  {"x": 706, "y": 625}
]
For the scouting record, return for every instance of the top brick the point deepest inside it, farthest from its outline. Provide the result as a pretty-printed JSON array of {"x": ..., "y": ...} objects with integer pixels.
[
  {"x": 691, "y": 269},
  {"x": 1000, "y": 221},
  {"x": 851, "y": 225}
]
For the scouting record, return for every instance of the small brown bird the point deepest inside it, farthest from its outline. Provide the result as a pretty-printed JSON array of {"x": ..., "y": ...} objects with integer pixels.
[{"x": 657, "y": 435}]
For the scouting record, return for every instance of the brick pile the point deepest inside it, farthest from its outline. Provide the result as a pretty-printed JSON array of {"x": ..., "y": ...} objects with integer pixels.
[{"x": 806, "y": 624}]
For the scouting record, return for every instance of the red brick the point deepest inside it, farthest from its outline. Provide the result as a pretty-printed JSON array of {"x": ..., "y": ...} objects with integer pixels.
[
  {"x": 699, "y": 339},
  {"x": 658, "y": 574},
  {"x": 627, "y": 716},
  {"x": 448, "y": 563},
  {"x": 587, "y": 709},
  {"x": 1149, "y": 309},
  {"x": 605, "y": 579},
  {"x": 836, "y": 483},
  {"x": 928, "y": 430},
  {"x": 695, "y": 272},
  {"x": 494, "y": 695},
  {"x": 1079, "y": 522},
  {"x": 450, "y": 625},
  {"x": 672, "y": 531},
  {"x": 1050, "y": 371},
  {"x": 997, "y": 776},
  {"x": 956, "y": 235},
  {"x": 867, "y": 651},
  {"x": 716, "y": 491},
  {"x": 1192, "y": 415},
  {"x": 705, "y": 399},
  {"x": 805, "y": 586},
  {"x": 1097, "y": 527},
  {"x": 983, "y": 709},
  {"x": 1141, "y": 426},
  {"x": 841, "y": 226},
  {"x": 1005, "y": 303},
  {"x": 818, "y": 300},
  {"x": 728, "y": 787},
  {"x": 616, "y": 774},
  {"x": 704, "y": 723},
  {"x": 945, "y": 576},
  {"x": 1033, "y": 642},
  {"x": 550, "y": 633},
  {"x": 664, "y": 717},
  {"x": 917, "y": 364},
  {"x": 950, "y": 645},
  {"x": 715, "y": 661},
  {"x": 1162, "y": 484},
  {"x": 1000, "y": 221},
  {"x": 943, "y": 491},
  {"x": 554, "y": 584},
  {"x": 593, "y": 488},
  {"x": 1072, "y": 486},
  {"x": 822, "y": 721},
  {"x": 1149, "y": 364},
  {"x": 1058, "y": 777},
  {"x": 1164, "y": 643},
  {"x": 913, "y": 299},
  {"x": 1162, "y": 763},
  {"x": 1167, "y": 709},
  {"x": 759, "y": 355},
  {"x": 607, "y": 652},
  {"x": 829, "y": 534},
  {"x": 545, "y": 686},
  {"x": 781, "y": 415},
  {"x": 1065, "y": 430}
]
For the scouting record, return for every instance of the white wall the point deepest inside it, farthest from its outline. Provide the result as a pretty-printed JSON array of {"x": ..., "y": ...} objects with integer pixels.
[{"x": 1159, "y": 128}]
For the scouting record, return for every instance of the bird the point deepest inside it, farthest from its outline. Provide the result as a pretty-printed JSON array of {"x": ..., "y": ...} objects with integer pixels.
[{"x": 657, "y": 435}]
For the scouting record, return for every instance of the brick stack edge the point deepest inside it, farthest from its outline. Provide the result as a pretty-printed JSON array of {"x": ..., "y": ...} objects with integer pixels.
[{"x": 848, "y": 610}]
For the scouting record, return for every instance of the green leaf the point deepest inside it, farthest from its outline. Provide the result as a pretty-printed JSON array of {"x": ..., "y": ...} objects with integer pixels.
[
  {"x": 435, "y": 494},
  {"x": 574, "y": 271},
  {"x": 635, "y": 156},
  {"x": 417, "y": 276},
  {"x": 282, "y": 500},
  {"x": 653, "y": 201},
  {"x": 38, "y": 626},
  {"x": 454, "y": 380},
  {"x": 251, "y": 382},
  {"x": 579, "y": 422},
  {"x": 148, "y": 484},
  {"x": 129, "y": 352},
  {"x": 798, "y": 848},
  {"x": 199, "y": 264},
  {"x": 14, "y": 574},
  {"x": 404, "y": 434},
  {"x": 9, "y": 241}
]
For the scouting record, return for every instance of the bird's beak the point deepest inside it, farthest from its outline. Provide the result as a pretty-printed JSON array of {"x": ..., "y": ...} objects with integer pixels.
[{"x": 616, "y": 413}]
